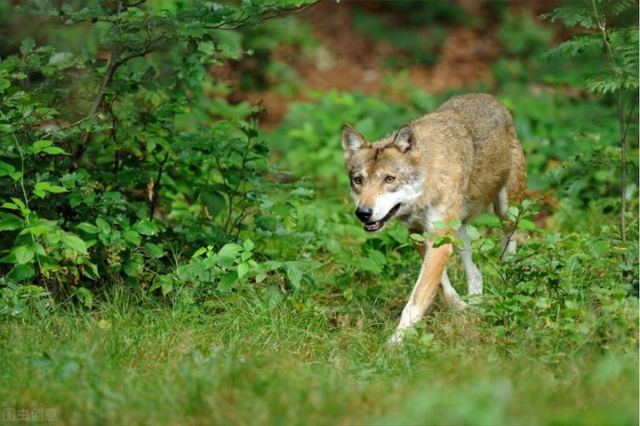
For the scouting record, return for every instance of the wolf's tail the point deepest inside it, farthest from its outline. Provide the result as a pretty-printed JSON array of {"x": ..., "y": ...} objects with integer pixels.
[{"x": 518, "y": 173}]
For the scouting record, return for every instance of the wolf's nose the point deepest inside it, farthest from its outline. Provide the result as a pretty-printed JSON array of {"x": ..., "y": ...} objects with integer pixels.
[{"x": 364, "y": 213}]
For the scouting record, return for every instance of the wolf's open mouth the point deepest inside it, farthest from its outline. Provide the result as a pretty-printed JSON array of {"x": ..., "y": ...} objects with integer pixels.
[{"x": 379, "y": 224}]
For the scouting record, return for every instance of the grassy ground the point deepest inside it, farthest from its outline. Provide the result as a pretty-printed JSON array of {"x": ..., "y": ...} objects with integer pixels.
[{"x": 247, "y": 364}]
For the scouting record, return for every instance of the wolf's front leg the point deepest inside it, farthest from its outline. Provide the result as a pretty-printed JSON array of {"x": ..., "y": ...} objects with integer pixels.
[{"x": 425, "y": 289}]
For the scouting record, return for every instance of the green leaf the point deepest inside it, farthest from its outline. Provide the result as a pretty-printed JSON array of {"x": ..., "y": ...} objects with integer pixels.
[
  {"x": 441, "y": 240},
  {"x": 27, "y": 45},
  {"x": 135, "y": 267},
  {"x": 22, "y": 272},
  {"x": 243, "y": 268},
  {"x": 214, "y": 202},
  {"x": 61, "y": 59},
  {"x": 472, "y": 232},
  {"x": 53, "y": 150},
  {"x": 18, "y": 202},
  {"x": 4, "y": 84},
  {"x": 149, "y": 74},
  {"x": 42, "y": 186},
  {"x": 527, "y": 225},
  {"x": 92, "y": 272},
  {"x": 133, "y": 237},
  {"x": 23, "y": 254},
  {"x": 227, "y": 254},
  {"x": 85, "y": 296},
  {"x": 146, "y": 227},
  {"x": 88, "y": 228},
  {"x": 438, "y": 224},
  {"x": 513, "y": 212},
  {"x": 248, "y": 245},
  {"x": 417, "y": 237},
  {"x": 165, "y": 282},
  {"x": 103, "y": 226},
  {"x": 294, "y": 274},
  {"x": 167, "y": 287},
  {"x": 36, "y": 230},
  {"x": 37, "y": 247},
  {"x": 455, "y": 224},
  {"x": 199, "y": 252},
  {"x": 6, "y": 168},
  {"x": 600, "y": 247},
  {"x": 74, "y": 243},
  {"x": 10, "y": 206},
  {"x": 155, "y": 250},
  {"x": 39, "y": 145},
  {"x": 10, "y": 223},
  {"x": 228, "y": 280},
  {"x": 367, "y": 264},
  {"x": 56, "y": 189}
]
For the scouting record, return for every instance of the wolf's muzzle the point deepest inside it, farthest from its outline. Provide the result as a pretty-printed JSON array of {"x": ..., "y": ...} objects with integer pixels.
[
  {"x": 364, "y": 213},
  {"x": 377, "y": 225}
]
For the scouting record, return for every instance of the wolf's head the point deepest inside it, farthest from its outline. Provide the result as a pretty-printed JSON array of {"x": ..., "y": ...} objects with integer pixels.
[{"x": 385, "y": 176}]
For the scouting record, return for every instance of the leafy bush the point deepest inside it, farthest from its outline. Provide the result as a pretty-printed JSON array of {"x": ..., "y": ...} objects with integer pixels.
[{"x": 110, "y": 167}]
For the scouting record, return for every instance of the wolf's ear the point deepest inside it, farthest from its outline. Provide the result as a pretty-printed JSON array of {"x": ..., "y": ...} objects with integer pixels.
[
  {"x": 352, "y": 141},
  {"x": 404, "y": 139}
]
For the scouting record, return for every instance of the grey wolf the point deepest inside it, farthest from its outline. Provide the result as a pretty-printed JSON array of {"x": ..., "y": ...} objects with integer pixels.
[{"x": 450, "y": 164}]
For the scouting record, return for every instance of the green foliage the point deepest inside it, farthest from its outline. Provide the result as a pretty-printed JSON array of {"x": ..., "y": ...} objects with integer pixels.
[
  {"x": 623, "y": 75},
  {"x": 621, "y": 47},
  {"x": 110, "y": 166},
  {"x": 522, "y": 37},
  {"x": 580, "y": 13},
  {"x": 617, "y": 77},
  {"x": 419, "y": 49}
]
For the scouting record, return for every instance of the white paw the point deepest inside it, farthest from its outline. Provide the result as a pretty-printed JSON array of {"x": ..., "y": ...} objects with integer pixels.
[
  {"x": 397, "y": 338},
  {"x": 458, "y": 304}
]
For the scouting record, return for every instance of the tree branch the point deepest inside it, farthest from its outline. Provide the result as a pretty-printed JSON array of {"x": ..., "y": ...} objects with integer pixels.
[
  {"x": 86, "y": 139},
  {"x": 156, "y": 188},
  {"x": 241, "y": 22}
]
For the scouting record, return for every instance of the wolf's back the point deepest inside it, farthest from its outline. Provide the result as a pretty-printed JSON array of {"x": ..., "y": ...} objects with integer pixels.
[
  {"x": 498, "y": 160},
  {"x": 483, "y": 115}
]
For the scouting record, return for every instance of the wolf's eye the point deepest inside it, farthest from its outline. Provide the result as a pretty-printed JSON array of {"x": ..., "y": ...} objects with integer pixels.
[
  {"x": 357, "y": 180},
  {"x": 389, "y": 179}
]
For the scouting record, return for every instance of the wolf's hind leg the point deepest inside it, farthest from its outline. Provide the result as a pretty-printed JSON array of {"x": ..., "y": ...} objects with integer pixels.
[
  {"x": 512, "y": 192},
  {"x": 508, "y": 235},
  {"x": 474, "y": 277},
  {"x": 449, "y": 295}
]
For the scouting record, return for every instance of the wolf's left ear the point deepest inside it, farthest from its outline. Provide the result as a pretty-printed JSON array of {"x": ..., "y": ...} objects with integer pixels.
[
  {"x": 352, "y": 141},
  {"x": 404, "y": 139}
]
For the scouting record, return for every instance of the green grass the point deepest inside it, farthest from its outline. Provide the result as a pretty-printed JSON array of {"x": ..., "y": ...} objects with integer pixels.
[{"x": 301, "y": 364}]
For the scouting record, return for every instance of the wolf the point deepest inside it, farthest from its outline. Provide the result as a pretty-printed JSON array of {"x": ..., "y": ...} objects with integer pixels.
[{"x": 450, "y": 164}]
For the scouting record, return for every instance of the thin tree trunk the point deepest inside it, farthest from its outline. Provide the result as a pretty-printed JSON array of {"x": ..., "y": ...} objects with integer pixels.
[{"x": 623, "y": 132}]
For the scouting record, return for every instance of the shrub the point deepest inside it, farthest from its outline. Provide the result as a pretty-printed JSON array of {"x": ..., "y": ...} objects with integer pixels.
[{"x": 112, "y": 167}]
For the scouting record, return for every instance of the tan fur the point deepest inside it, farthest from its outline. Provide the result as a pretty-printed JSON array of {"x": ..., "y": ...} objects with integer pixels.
[{"x": 450, "y": 164}]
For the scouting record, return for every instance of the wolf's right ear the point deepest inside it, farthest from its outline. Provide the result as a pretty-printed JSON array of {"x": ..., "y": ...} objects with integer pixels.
[
  {"x": 352, "y": 141},
  {"x": 404, "y": 139}
]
